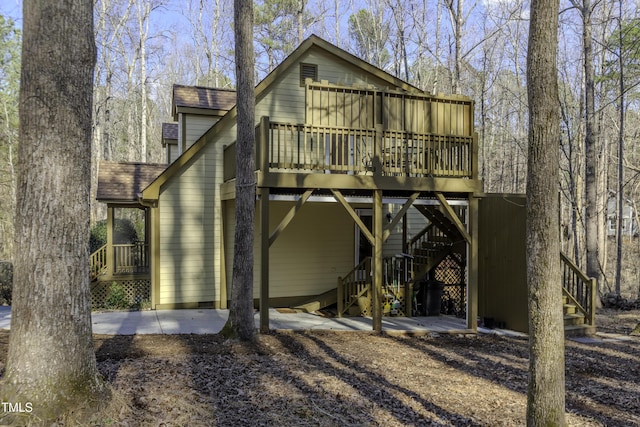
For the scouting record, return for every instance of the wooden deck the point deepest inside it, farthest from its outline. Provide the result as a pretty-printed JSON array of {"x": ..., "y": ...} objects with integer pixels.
[{"x": 359, "y": 138}]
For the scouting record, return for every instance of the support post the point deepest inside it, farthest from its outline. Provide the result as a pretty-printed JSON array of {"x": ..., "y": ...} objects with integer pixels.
[
  {"x": 472, "y": 259},
  {"x": 593, "y": 291},
  {"x": 377, "y": 261},
  {"x": 263, "y": 144},
  {"x": 110, "y": 249},
  {"x": 264, "y": 260},
  {"x": 340, "y": 297},
  {"x": 154, "y": 262},
  {"x": 223, "y": 258}
]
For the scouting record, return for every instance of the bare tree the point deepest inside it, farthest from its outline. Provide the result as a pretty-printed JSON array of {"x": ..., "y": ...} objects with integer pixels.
[
  {"x": 51, "y": 361},
  {"x": 241, "y": 324},
  {"x": 585, "y": 9},
  {"x": 545, "y": 397}
]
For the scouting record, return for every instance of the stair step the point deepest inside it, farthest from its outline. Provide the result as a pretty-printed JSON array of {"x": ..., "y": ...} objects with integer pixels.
[
  {"x": 579, "y": 331},
  {"x": 569, "y": 308},
  {"x": 318, "y": 302},
  {"x": 573, "y": 319}
]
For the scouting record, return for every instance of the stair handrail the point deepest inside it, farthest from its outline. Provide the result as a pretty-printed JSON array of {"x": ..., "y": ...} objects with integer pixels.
[
  {"x": 579, "y": 289},
  {"x": 98, "y": 262},
  {"x": 418, "y": 236},
  {"x": 353, "y": 285}
]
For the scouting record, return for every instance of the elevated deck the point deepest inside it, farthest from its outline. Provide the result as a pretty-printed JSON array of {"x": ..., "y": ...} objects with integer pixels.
[{"x": 367, "y": 139}]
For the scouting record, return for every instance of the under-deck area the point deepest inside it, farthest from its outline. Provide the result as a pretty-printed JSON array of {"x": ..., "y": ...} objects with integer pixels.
[{"x": 364, "y": 147}]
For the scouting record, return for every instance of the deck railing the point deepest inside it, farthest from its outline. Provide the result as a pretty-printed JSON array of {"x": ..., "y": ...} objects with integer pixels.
[
  {"x": 356, "y": 284},
  {"x": 579, "y": 289},
  {"x": 306, "y": 148},
  {"x": 331, "y": 149},
  {"x": 131, "y": 258},
  {"x": 98, "y": 262}
]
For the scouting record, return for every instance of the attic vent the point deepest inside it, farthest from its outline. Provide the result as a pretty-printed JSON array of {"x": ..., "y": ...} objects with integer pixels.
[{"x": 308, "y": 71}]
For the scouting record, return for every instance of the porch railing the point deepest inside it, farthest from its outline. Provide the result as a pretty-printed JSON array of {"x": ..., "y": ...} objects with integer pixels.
[
  {"x": 579, "y": 289},
  {"x": 131, "y": 258},
  {"x": 98, "y": 262},
  {"x": 356, "y": 284}
]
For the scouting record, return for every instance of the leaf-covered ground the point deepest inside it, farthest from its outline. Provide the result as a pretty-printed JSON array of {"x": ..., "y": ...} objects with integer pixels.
[{"x": 356, "y": 379}]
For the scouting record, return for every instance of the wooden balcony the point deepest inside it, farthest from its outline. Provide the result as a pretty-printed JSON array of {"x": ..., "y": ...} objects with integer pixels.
[
  {"x": 362, "y": 137},
  {"x": 301, "y": 155}
]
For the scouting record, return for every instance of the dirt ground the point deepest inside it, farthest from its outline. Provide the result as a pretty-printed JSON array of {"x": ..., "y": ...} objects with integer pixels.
[{"x": 357, "y": 379}]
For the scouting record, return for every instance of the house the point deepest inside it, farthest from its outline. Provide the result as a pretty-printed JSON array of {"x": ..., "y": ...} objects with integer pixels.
[
  {"x": 629, "y": 217},
  {"x": 367, "y": 196}
]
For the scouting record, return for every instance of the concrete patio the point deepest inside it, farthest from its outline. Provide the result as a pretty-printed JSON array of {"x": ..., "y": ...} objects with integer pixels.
[{"x": 210, "y": 321}]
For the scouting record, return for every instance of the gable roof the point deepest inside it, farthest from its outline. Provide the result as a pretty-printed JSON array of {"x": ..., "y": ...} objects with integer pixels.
[
  {"x": 123, "y": 182},
  {"x": 204, "y": 100},
  {"x": 153, "y": 190},
  {"x": 169, "y": 132}
]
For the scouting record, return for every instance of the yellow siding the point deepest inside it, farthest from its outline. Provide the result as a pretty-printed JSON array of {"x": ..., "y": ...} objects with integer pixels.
[
  {"x": 172, "y": 152},
  {"x": 285, "y": 102},
  {"x": 196, "y": 126},
  {"x": 308, "y": 257},
  {"x": 189, "y": 240}
]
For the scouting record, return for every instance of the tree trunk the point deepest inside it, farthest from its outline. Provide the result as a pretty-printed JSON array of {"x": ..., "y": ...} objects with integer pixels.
[
  {"x": 545, "y": 397},
  {"x": 591, "y": 138},
  {"x": 241, "y": 324},
  {"x": 51, "y": 362},
  {"x": 620, "y": 196},
  {"x": 144, "y": 9}
]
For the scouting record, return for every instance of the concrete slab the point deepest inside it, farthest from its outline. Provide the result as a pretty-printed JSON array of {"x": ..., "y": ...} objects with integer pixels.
[
  {"x": 125, "y": 323},
  {"x": 191, "y": 321},
  {"x": 5, "y": 317},
  {"x": 209, "y": 321}
]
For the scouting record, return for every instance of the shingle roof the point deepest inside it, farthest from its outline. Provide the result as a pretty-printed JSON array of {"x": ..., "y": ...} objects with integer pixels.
[
  {"x": 203, "y": 97},
  {"x": 169, "y": 131},
  {"x": 125, "y": 181}
]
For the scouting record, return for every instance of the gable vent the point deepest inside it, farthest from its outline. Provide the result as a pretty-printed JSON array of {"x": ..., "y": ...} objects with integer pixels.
[{"x": 308, "y": 71}]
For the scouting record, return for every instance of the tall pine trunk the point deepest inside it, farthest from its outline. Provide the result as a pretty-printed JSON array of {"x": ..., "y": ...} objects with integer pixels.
[
  {"x": 241, "y": 324},
  {"x": 51, "y": 362},
  {"x": 545, "y": 398},
  {"x": 591, "y": 139}
]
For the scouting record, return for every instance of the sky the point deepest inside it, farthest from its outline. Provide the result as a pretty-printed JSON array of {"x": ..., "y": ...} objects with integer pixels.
[{"x": 13, "y": 9}]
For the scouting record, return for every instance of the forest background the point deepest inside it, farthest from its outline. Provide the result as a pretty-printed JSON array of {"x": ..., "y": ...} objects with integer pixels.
[{"x": 443, "y": 46}]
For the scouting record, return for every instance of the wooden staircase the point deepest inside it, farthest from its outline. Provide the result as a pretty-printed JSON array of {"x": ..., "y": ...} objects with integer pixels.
[
  {"x": 435, "y": 242},
  {"x": 578, "y": 301},
  {"x": 441, "y": 238},
  {"x": 575, "y": 323},
  {"x": 98, "y": 263}
]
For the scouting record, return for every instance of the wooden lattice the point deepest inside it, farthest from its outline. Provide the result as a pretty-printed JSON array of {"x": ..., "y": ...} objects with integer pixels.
[
  {"x": 137, "y": 291},
  {"x": 451, "y": 272}
]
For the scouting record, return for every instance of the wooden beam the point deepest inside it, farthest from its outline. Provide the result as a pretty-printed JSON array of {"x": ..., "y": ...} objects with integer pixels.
[
  {"x": 472, "y": 259},
  {"x": 389, "y": 227},
  {"x": 223, "y": 260},
  {"x": 264, "y": 260},
  {"x": 295, "y": 179},
  {"x": 110, "y": 226},
  {"x": 289, "y": 216},
  {"x": 154, "y": 245},
  {"x": 448, "y": 211},
  {"x": 377, "y": 261},
  {"x": 263, "y": 145},
  {"x": 340, "y": 198}
]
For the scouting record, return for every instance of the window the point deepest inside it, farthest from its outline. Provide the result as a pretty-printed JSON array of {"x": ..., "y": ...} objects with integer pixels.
[{"x": 308, "y": 71}]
